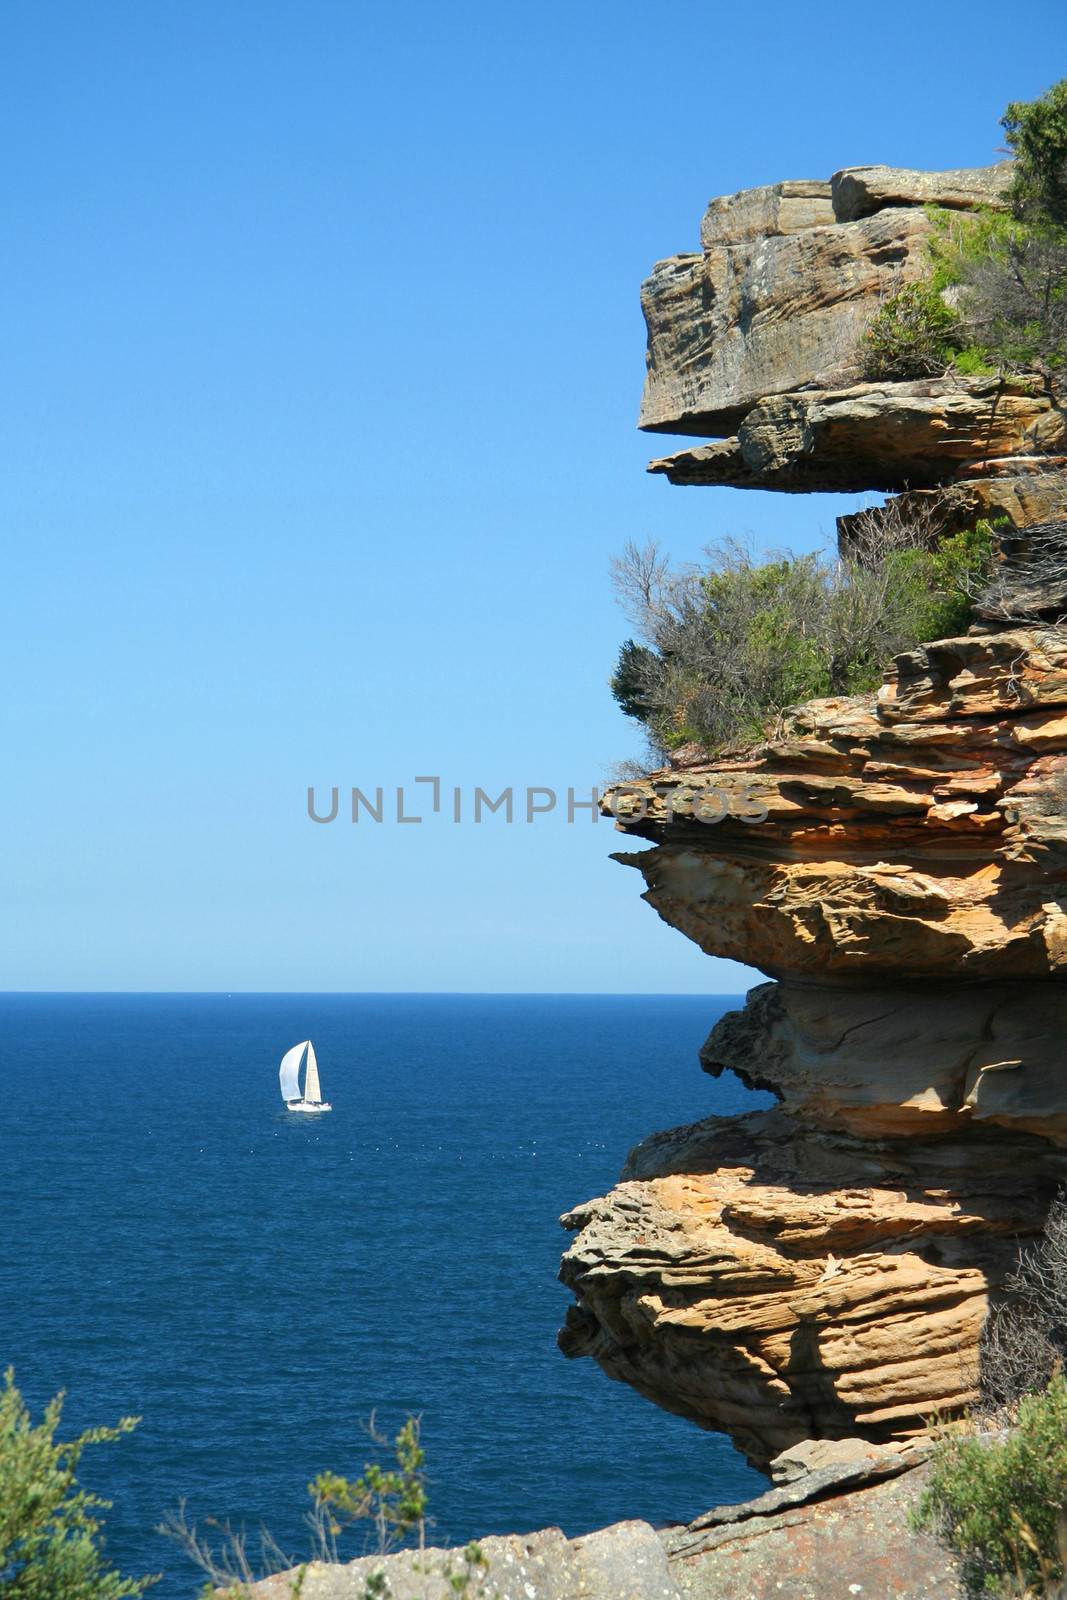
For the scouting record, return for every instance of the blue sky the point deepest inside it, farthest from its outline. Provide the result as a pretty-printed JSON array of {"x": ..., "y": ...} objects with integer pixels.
[{"x": 321, "y": 353}]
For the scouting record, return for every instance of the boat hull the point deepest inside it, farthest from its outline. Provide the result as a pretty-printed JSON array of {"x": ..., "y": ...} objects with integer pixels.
[{"x": 308, "y": 1105}]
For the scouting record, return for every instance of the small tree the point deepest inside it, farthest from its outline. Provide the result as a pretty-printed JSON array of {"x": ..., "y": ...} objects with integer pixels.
[
  {"x": 51, "y": 1544},
  {"x": 1037, "y": 137}
]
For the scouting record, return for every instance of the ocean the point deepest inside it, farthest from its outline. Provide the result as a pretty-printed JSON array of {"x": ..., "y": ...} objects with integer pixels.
[{"x": 255, "y": 1285}]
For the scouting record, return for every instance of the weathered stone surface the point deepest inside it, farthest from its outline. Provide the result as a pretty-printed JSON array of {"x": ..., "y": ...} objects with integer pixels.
[
  {"x": 624, "y": 1562},
  {"x": 766, "y": 316},
  {"x": 878, "y": 436},
  {"x": 755, "y": 343},
  {"x": 1023, "y": 491},
  {"x": 845, "y": 1517},
  {"x": 779, "y": 1282},
  {"x": 855, "y": 1545},
  {"x": 860, "y": 191},
  {"x": 816, "y": 1464},
  {"x": 899, "y": 862},
  {"x": 817, "y": 1467},
  {"x": 889, "y": 1060},
  {"x": 913, "y": 835},
  {"x": 780, "y": 295},
  {"x": 820, "y": 1272},
  {"x": 775, "y": 208}
]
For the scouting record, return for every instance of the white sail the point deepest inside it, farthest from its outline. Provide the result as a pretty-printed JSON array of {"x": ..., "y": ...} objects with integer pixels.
[
  {"x": 289, "y": 1072},
  {"x": 312, "y": 1092}
]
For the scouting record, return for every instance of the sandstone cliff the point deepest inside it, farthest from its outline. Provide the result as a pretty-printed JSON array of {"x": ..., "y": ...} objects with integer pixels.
[{"x": 822, "y": 1270}]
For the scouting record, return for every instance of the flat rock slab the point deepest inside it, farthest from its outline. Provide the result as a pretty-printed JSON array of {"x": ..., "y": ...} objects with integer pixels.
[
  {"x": 859, "y": 191},
  {"x": 853, "y": 1546},
  {"x": 624, "y": 1562}
]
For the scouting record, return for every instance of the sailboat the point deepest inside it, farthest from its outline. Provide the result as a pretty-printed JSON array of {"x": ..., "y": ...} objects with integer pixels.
[{"x": 289, "y": 1076}]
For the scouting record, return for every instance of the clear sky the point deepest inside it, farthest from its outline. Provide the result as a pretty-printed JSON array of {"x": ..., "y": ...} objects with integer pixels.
[{"x": 321, "y": 360}]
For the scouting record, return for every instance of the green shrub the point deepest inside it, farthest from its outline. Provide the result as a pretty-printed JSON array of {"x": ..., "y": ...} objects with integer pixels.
[
  {"x": 997, "y": 1504},
  {"x": 1009, "y": 277},
  {"x": 1007, "y": 271},
  {"x": 392, "y": 1498},
  {"x": 914, "y": 335},
  {"x": 731, "y": 646},
  {"x": 51, "y": 1545}
]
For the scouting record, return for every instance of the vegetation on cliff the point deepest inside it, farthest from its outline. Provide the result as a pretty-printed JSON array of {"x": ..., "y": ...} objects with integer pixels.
[
  {"x": 998, "y": 1497},
  {"x": 995, "y": 295},
  {"x": 999, "y": 1503},
  {"x": 725, "y": 648}
]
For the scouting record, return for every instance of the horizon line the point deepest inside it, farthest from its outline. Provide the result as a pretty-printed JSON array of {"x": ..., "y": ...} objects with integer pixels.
[{"x": 473, "y": 994}]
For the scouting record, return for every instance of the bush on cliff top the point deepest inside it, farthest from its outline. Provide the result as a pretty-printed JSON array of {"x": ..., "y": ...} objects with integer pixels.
[
  {"x": 727, "y": 647},
  {"x": 994, "y": 298}
]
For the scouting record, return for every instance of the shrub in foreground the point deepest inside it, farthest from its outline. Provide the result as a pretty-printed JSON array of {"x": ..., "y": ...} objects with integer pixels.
[
  {"x": 51, "y": 1545},
  {"x": 386, "y": 1504},
  {"x": 999, "y": 1504}
]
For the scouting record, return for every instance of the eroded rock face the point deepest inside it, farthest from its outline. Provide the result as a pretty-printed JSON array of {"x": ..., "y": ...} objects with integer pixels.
[
  {"x": 898, "y": 862},
  {"x": 755, "y": 343},
  {"x": 860, "y": 191},
  {"x": 878, "y": 436},
  {"x": 765, "y": 315},
  {"x": 779, "y": 1284},
  {"x": 888, "y": 1061},
  {"x": 917, "y": 834}
]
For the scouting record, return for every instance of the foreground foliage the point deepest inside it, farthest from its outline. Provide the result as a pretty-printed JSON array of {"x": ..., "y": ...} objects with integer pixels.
[
  {"x": 999, "y": 1504},
  {"x": 1000, "y": 1500},
  {"x": 387, "y": 1503},
  {"x": 51, "y": 1544},
  {"x": 729, "y": 646}
]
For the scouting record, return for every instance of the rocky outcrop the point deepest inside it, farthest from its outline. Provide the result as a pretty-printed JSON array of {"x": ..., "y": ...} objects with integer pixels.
[
  {"x": 754, "y": 344},
  {"x": 840, "y": 1526},
  {"x": 627, "y": 1561},
  {"x": 895, "y": 862},
  {"x": 787, "y": 279},
  {"x": 847, "y": 1531},
  {"x": 858, "y": 191},
  {"x": 898, "y": 862},
  {"x": 917, "y": 834},
  {"x": 753, "y": 317},
  {"x": 879, "y": 436},
  {"x": 1018, "y": 490}
]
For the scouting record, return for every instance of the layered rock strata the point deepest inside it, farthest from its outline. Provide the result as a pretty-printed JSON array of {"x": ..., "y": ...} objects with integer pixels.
[
  {"x": 822, "y": 1270},
  {"x": 754, "y": 344},
  {"x": 895, "y": 862},
  {"x": 787, "y": 279}
]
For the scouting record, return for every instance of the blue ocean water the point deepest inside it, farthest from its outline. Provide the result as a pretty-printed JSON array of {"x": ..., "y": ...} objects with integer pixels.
[{"x": 255, "y": 1284}]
